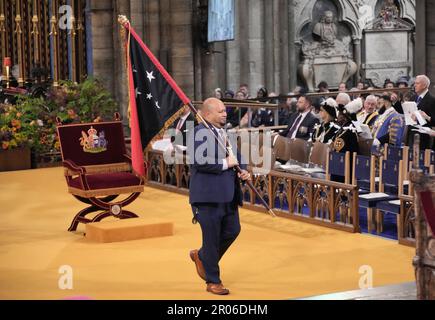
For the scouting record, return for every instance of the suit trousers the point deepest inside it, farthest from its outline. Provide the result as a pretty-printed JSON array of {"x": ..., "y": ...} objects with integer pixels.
[{"x": 220, "y": 226}]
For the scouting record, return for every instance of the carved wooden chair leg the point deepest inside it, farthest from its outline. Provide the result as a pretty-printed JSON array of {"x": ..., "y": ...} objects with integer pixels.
[
  {"x": 127, "y": 214},
  {"x": 101, "y": 216},
  {"x": 80, "y": 217}
]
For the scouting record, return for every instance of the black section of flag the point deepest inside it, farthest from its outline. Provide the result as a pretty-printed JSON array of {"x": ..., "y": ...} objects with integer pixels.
[{"x": 156, "y": 101}]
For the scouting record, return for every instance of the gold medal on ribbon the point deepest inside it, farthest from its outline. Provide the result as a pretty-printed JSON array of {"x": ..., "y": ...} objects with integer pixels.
[{"x": 339, "y": 144}]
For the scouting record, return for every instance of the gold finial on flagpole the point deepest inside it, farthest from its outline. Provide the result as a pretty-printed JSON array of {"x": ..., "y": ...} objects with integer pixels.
[{"x": 123, "y": 20}]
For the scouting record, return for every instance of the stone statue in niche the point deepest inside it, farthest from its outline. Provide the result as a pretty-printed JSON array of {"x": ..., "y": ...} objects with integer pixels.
[
  {"x": 327, "y": 58},
  {"x": 326, "y": 30},
  {"x": 388, "y": 14},
  {"x": 389, "y": 11},
  {"x": 325, "y": 41}
]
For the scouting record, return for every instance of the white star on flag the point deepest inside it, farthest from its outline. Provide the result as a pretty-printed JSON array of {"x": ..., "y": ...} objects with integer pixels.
[
  {"x": 138, "y": 92},
  {"x": 150, "y": 76},
  {"x": 149, "y": 96}
]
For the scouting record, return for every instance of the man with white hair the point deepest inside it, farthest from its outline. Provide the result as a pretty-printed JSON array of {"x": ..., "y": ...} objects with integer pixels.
[
  {"x": 425, "y": 101},
  {"x": 426, "y": 105},
  {"x": 343, "y": 99},
  {"x": 369, "y": 114}
]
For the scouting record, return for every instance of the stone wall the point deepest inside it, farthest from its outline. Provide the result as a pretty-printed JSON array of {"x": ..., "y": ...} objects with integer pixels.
[
  {"x": 266, "y": 49},
  {"x": 425, "y": 40},
  {"x": 169, "y": 28}
]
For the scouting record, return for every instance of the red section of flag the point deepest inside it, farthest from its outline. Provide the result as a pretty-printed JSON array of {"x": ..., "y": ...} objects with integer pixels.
[{"x": 137, "y": 158}]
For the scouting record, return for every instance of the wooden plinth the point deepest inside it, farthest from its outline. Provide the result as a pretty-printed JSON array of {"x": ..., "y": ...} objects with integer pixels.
[{"x": 128, "y": 229}]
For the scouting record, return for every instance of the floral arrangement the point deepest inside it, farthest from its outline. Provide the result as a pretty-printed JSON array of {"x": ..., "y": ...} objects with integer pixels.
[
  {"x": 15, "y": 128},
  {"x": 32, "y": 121}
]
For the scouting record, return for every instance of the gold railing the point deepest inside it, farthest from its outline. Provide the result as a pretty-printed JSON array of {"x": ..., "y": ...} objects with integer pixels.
[{"x": 293, "y": 196}]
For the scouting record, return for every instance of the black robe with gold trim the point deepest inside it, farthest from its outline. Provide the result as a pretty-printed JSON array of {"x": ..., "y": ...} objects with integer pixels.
[{"x": 324, "y": 132}]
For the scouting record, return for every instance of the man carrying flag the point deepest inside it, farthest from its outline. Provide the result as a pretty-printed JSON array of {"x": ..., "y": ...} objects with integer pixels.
[
  {"x": 215, "y": 194},
  {"x": 156, "y": 102}
]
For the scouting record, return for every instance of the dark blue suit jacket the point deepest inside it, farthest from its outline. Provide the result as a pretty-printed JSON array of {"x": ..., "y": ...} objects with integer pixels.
[{"x": 208, "y": 182}]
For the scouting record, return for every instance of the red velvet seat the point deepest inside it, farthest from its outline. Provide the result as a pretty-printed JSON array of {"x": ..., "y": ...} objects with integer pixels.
[
  {"x": 98, "y": 169},
  {"x": 104, "y": 184}
]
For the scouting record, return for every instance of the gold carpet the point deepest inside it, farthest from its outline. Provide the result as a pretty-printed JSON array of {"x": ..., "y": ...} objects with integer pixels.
[{"x": 271, "y": 259}]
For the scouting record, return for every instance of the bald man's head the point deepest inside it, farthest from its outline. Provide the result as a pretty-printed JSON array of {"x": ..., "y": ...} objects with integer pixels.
[{"x": 214, "y": 111}]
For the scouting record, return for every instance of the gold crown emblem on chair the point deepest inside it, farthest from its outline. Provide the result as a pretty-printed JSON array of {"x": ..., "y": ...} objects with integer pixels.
[{"x": 93, "y": 142}]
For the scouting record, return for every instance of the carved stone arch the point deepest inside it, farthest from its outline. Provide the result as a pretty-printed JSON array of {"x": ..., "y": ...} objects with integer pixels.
[
  {"x": 303, "y": 15},
  {"x": 349, "y": 15},
  {"x": 407, "y": 10}
]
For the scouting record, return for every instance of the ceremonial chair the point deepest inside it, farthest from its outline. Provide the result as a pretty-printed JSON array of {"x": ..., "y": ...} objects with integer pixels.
[
  {"x": 338, "y": 167},
  {"x": 391, "y": 182},
  {"x": 424, "y": 159},
  {"x": 299, "y": 150},
  {"x": 393, "y": 206},
  {"x": 338, "y": 170},
  {"x": 394, "y": 153},
  {"x": 97, "y": 169},
  {"x": 319, "y": 154},
  {"x": 363, "y": 173},
  {"x": 281, "y": 148},
  {"x": 397, "y": 154},
  {"x": 365, "y": 146},
  {"x": 388, "y": 176}
]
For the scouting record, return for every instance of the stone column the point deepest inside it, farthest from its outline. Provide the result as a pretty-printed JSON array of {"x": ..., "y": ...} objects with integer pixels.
[
  {"x": 220, "y": 57},
  {"x": 243, "y": 17},
  {"x": 430, "y": 41},
  {"x": 284, "y": 80},
  {"x": 233, "y": 55},
  {"x": 268, "y": 35},
  {"x": 292, "y": 60},
  {"x": 181, "y": 53},
  {"x": 256, "y": 45},
  {"x": 425, "y": 40},
  {"x": 357, "y": 56},
  {"x": 102, "y": 15},
  {"x": 277, "y": 21},
  {"x": 152, "y": 25},
  {"x": 420, "y": 37},
  {"x": 165, "y": 33},
  {"x": 137, "y": 17},
  {"x": 120, "y": 78},
  {"x": 196, "y": 43},
  {"x": 209, "y": 74}
]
